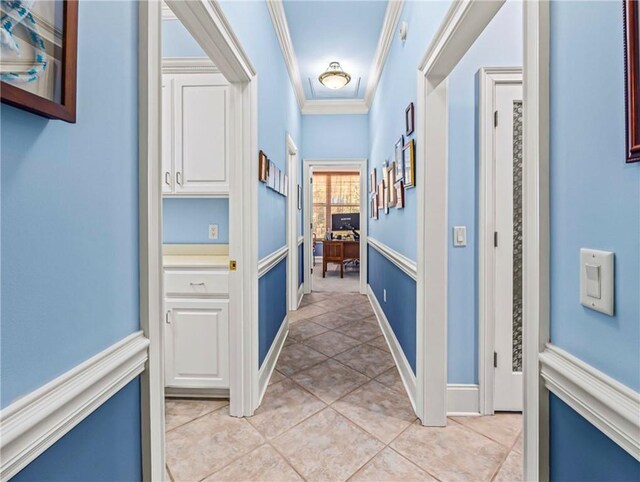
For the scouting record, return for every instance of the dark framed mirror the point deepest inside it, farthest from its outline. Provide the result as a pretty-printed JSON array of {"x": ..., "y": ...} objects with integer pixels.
[{"x": 632, "y": 78}]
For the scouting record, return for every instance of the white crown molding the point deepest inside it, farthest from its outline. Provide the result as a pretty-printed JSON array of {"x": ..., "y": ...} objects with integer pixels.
[
  {"x": 606, "y": 403},
  {"x": 270, "y": 261},
  {"x": 391, "y": 17},
  {"x": 33, "y": 423},
  {"x": 335, "y": 107},
  {"x": 188, "y": 65},
  {"x": 400, "y": 260},
  {"x": 167, "y": 13},
  {"x": 279, "y": 19}
]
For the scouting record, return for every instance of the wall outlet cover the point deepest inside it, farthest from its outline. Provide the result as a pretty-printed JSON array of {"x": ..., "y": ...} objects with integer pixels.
[{"x": 213, "y": 231}]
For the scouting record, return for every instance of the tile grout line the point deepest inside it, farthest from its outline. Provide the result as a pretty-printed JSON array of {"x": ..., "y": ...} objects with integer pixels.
[
  {"x": 196, "y": 418},
  {"x": 506, "y": 457}
]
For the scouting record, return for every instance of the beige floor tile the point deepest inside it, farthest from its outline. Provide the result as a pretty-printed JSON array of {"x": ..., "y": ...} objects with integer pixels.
[
  {"x": 305, "y": 329},
  {"x": 331, "y": 319},
  {"x": 276, "y": 377},
  {"x": 391, "y": 378},
  {"x": 294, "y": 358},
  {"x": 284, "y": 405},
  {"x": 512, "y": 469},
  {"x": 200, "y": 448},
  {"x": 264, "y": 464},
  {"x": 180, "y": 411},
  {"x": 380, "y": 342},
  {"x": 367, "y": 359},
  {"x": 518, "y": 447},
  {"x": 327, "y": 447},
  {"x": 372, "y": 319},
  {"x": 451, "y": 453},
  {"x": 501, "y": 427},
  {"x": 167, "y": 475},
  {"x": 289, "y": 341},
  {"x": 380, "y": 410},
  {"x": 360, "y": 330},
  {"x": 357, "y": 312},
  {"x": 390, "y": 466},
  {"x": 305, "y": 312},
  {"x": 330, "y": 380},
  {"x": 331, "y": 343}
]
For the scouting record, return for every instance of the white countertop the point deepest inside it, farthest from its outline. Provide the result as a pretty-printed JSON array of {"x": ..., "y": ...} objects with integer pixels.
[{"x": 195, "y": 256}]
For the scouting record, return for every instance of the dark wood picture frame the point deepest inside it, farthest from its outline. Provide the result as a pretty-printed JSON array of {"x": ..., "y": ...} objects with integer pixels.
[
  {"x": 632, "y": 78},
  {"x": 409, "y": 164},
  {"x": 263, "y": 167},
  {"x": 409, "y": 120},
  {"x": 65, "y": 110}
]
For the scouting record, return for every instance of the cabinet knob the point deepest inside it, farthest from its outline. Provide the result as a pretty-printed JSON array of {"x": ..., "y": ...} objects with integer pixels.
[{"x": 197, "y": 284}]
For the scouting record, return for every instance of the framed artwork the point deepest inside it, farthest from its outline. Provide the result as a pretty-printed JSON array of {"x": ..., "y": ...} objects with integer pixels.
[
  {"x": 409, "y": 164},
  {"x": 632, "y": 78},
  {"x": 39, "y": 57},
  {"x": 399, "y": 188},
  {"x": 409, "y": 120},
  {"x": 400, "y": 162},
  {"x": 372, "y": 206},
  {"x": 276, "y": 180},
  {"x": 380, "y": 195},
  {"x": 391, "y": 181},
  {"x": 372, "y": 180},
  {"x": 263, "y": 167},
  {"x": 271, "y": 176},
  {"x": 299, "y": 197},
  {"x": 376, "y": 209}
]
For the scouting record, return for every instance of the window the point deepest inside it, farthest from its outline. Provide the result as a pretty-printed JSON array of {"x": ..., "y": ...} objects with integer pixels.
[{"x": 333, "y": 193}]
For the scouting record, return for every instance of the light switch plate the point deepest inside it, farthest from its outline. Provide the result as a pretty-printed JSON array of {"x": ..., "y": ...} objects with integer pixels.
[
  {"x": 597, "y": 280},
  {"x": 459, "y": 236},
  {"x": 213, "y": 231}
]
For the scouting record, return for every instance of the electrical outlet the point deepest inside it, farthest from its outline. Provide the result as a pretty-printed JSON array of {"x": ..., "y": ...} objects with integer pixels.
[
  {"x": 384, "y": 295},
  {"x": 213, "y": 231}
]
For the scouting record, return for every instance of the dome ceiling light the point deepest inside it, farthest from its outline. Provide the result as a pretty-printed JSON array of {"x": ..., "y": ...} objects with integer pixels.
[{"x": 334, "y": 77}]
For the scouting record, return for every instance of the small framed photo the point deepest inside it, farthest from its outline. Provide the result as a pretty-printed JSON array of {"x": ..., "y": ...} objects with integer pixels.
[
  {"x": 276, "y": 182},
  {"x": 299, "y": 197},
  {"x": 399, "y": 188},
  {"x": 271, "y": 175},
  {"x": 400, "y": 163},
  {"x": 409, "y": 164},
  {"x": 372, "y": 180},
  {"x": 380, "y": 195},
  {"x": 409, "y": 120},
  {"x": 391, "y": 181},
  {"x": 263, "y": 167}
]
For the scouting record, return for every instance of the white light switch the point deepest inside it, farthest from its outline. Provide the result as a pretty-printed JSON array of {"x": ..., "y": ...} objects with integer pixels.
[
  {"x": 459, "y": 236},
  {"x": 213, "y": 231},
  {"x": 597, "y": 280}
]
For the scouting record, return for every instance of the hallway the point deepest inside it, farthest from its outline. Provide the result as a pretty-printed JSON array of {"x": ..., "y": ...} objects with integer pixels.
[{"x": 336, "y": 410}]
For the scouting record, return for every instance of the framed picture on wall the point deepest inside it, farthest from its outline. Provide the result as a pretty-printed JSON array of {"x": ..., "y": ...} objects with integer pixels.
[
  {"x": 391, "y": 181},
  {"x": 372, "y": 180},
  {"x": 299, "y": 197},
  {"x": 409, "y": 164},
  {"x": 632, "y": 78},
  {"x": 400, "y": 157},
  {"x": 263, "y": 167},
  {"x": 409, "y": 120},
  {"x": 271, "y": 176},
  {"x": 399, "y": 187},
  {"x": 39, "y": 57}
]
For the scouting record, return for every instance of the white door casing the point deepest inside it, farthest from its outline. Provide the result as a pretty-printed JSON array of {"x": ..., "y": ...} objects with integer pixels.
[{"x": 292, "y": 224}]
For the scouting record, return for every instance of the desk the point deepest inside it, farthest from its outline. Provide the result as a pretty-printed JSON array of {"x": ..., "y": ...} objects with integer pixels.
[{"x": 338, "y": 251}]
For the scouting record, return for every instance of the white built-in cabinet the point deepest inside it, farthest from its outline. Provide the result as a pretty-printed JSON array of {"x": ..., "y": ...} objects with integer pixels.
[{"x": 195, "y": 134}]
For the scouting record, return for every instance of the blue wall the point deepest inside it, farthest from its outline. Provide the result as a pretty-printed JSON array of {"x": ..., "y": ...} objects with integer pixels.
[
  {"x": 70, "y": 239},
  {"x": 272, "y": 306},
  {"x": 499, "y": 45},
  {"x": 595, "y": 203},
  {"x": 335, "y": 136},
  {"x": 400, "y": 307},
  {"x": 178, "y": 42},
  {"x": 186, "y": 220},
  {"x": 580, "y": 452},
  {"x": 104, "y": 447}
]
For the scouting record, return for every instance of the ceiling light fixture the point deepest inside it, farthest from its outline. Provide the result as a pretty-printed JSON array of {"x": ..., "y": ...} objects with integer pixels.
[{"x": 334, "y": 77}]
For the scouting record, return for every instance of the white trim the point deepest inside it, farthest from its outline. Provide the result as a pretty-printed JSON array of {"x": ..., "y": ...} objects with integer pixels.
[
  {"x": 389, "y": 24},
  {"x": 359, "y": 165},
  {"x": 301, "y": 238},
  {"x": 175, "y": 392},
  {"x": 167, "y": 13},
  {"x": 335, "y": 107},
  {"x": 292, "y": 228},
  {"x": 188, "y": 65},
  {"x": 462, "y": 399},
  {"x": 270, "y": 261},
  {"x": 30, "y": 425},
  {"x": 489, "y": 79},
  {"x": 300, "y": 295},
  {"x": 410, "y": 268},
  {"x": 606, "y": 403},
  {"x": 280, "y": 25},
  {"x": 269, "y": 362},
  {"x": 404, "y": 368}
]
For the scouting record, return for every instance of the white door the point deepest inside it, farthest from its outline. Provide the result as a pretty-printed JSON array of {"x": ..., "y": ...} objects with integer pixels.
[
  {"x": 508, "y": 247},
  {"x": 197, "y": 344},
  {"x": 201, "y": 134},
  {"x": 167, "y": 134}
]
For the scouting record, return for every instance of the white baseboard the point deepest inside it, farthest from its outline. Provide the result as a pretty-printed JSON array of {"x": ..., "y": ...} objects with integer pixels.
[
  {"x": 406, "y": 373},
  {"x": 300, "y": 295},
  {"x": 173, "y": 392},
  {"x": 463, "y": 399},
  {"x": 269, "y": 363},
  {"x": 32, "y": 424}
]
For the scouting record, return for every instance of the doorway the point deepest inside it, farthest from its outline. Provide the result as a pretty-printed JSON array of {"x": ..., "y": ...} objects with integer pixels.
[{"x": 335, "y": 226}]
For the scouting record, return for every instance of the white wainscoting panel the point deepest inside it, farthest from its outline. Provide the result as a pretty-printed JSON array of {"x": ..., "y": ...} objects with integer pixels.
[{"x": 33, "y": 423}]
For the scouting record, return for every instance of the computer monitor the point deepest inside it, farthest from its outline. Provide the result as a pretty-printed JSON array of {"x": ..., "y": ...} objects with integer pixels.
[{"x": 345, "y": 222}]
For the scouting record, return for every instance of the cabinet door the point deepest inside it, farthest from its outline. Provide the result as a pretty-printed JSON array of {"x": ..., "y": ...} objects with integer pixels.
[
  {"x": 167, "y": 178},
  {"x": 197, "y": 344},
  {"x": 201, "y": 133}
]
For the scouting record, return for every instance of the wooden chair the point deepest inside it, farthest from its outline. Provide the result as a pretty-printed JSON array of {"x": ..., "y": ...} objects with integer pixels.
[{"x": 333, "y": 252}]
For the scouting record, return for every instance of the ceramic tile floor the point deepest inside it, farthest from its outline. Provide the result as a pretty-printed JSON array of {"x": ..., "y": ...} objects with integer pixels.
[{"x": 336, "y": 410}]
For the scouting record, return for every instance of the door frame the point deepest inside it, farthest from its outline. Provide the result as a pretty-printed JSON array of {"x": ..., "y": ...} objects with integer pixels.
[
  {"x": 359, "y": 165},
  {"x": 489, "y": 79},
  {"x": 292, "y": 224},
  {"x": 462, "y": 25},
  {"x": 206, "y": 22}
]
